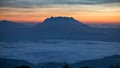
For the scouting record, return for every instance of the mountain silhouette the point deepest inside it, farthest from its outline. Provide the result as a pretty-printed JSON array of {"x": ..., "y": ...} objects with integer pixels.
[
  {"x": 56, "y": 28},
  {"x": 62, "y": 24},
  {"x": 12, "y": 63},
  {"x": 100, "y": 63},
  {"x": 105, "y": 62},
  {"x": 10, "y": 26},
  {"x": 61, "y": 28},
  {"x": 11, "y": 30}
]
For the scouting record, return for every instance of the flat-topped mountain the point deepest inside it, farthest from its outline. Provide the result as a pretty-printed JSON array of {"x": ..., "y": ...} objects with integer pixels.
[
  {"x": 56, "y": 28},
  {"x": 63, "y": 23}
]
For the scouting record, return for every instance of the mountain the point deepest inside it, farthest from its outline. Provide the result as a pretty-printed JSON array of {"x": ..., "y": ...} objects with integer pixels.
[
  {"x": 69, "y": 28},
  {"x": 10, "y": 26},
  {"x": 12, "y": 63},
  {"x": 56, "y": 28},
  {"x": 60, "y": 28},
  {"x": 105, "y": 62},
  {"x": 52, "y": 64},
  {"x": 11, "y": 30},
  {"x": 105, "y": 25},
  {"x": 61, "y": 24},
  {"x": 65, "y": 22}
]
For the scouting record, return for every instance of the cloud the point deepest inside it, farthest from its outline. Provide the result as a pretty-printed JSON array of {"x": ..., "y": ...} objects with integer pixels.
[
  {"x": 50, "y": 3},
  {"x": 106, "y": 1},
  {"x": 9, "y": 10}
]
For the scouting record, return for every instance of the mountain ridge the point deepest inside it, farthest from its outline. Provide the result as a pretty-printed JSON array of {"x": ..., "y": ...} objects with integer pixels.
[
  {"x": 7, "y": 26},
  {"x": 63, "y": 22},
  {"x": 58, "y": 28},
  {"x": 4, "y": 23},
  {"x": 105, "y": 62}
]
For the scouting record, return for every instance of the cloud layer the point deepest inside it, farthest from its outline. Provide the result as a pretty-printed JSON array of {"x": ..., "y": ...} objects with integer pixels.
[{"x": 49, "y": 3}]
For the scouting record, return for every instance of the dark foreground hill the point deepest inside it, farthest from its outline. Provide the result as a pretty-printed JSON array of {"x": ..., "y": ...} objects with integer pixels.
[
  {"x": 56, "y": 28},
  {"x": 106, "y": 62},
  {"x": 12, "y": 63}
]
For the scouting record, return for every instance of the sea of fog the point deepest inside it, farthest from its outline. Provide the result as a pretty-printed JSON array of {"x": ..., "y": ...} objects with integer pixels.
[{"x": 58, "y": 50}]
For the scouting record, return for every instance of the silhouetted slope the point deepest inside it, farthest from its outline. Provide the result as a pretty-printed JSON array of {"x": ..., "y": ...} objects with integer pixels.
[
  {"x": 11, "y": 31},
  {"x": 12, "y": 63},
  {"x": 61, "y": 28},
  {"x": 56, "y": 28},
  {"x": 69, "y": 28},
  {"x": 105, "y": 62},
  {"x": 10, "y": 26},
  {"x": 62, "y": 25},
  {"x": 52, "y": 64}
]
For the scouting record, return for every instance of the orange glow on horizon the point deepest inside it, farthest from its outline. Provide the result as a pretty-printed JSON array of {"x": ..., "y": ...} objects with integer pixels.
[
  {"x": 85, "y": 19},
  {"x": 86, "y": 14}
]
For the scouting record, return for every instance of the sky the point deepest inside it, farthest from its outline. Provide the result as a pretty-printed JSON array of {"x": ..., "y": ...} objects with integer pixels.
[{"x": 87, "y": 11}]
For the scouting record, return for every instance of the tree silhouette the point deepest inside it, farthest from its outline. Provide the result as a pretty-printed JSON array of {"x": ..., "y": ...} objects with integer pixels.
[
  {"x": 92, "y": 67},
  {"x": 86, "y": 67},
  {"x": 43, "y": 67},
  {"x": 111, "y": 66},
  {"x": 117, "y": 66},
  {"x": 81, "y": 67},
  {"x": 23, "y": 66},
  {"x": 47, "y": 67},
  {"x": 66, "y": 66}
]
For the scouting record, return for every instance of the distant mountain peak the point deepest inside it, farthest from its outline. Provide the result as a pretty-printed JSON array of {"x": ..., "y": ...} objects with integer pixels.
[
  {"x": 59, "y": 19},
  {"x": 4, "y": 24},
  {"x": 3, "y": 21},
  {"x": 7, "y": 22},
  {"x": 63, "y": 22}
]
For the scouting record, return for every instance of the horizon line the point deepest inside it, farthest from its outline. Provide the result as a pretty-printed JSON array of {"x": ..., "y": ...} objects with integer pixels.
[{"x": 40, "y": 21}]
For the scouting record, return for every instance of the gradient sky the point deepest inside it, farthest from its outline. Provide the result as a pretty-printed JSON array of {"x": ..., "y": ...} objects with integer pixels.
[{"x": 87, "y": 11}]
